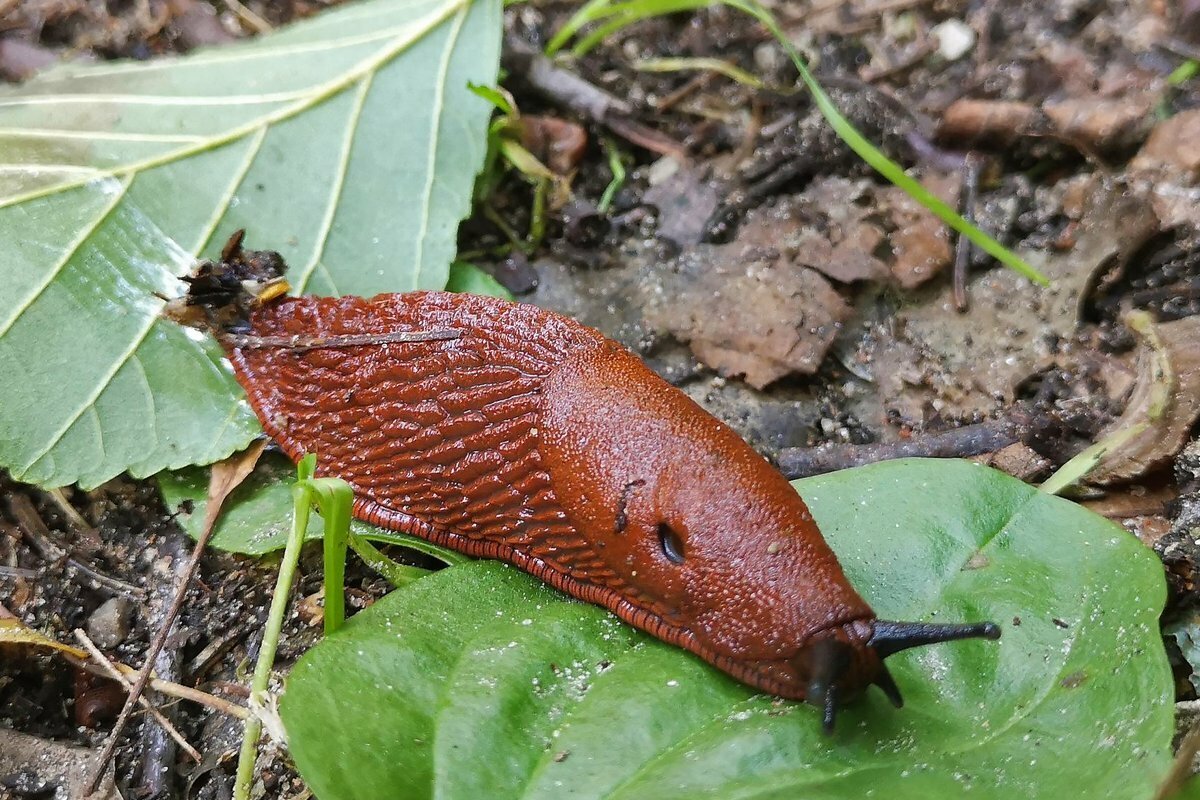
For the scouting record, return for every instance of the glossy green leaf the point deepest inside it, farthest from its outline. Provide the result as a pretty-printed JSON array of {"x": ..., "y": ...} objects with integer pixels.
[
  {"x": 471, "y": 279},
  {"x": 348, "y": 142},
  {"x": 257, "y": 515},
  {"x": 480, "y": 682}
]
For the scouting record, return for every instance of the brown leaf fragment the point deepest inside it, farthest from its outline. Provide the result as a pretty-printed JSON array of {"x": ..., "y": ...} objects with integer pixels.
[
  {"x": 965, "y": 364},
  {"x": 1166, "y": 399},
  {"x": 1092, "y": 122},
  {"x": 986, "y": 120},
  {"x": 1101, "y": 123},
  {"x": 226, "y": 476},
  {"x": 1174, "y": 144},
  {"x": 747, "y": 312},
  {"x": 1018, "y": 460},
  {"x": 830, "y": 227},
  {"x": 1134, "y": 501},
  {"x": 921, "y": 242},
  {"x": 557, "y": 143}
]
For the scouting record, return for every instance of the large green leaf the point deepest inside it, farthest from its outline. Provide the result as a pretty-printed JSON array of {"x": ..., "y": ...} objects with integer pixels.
[
  {"x": 349, "y": 143},
  {"x": 480, "y": 682}
]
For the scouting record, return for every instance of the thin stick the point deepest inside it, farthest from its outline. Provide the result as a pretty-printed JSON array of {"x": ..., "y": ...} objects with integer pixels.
[
  {"x": 569, "y": 90},
  {"x": 70, "y": 512},
  {"x": 36, "y": 530},
  {"x": 234, "y": 472},
  {"x": 350, "y": 340},
  {"x": 969, "y": 440},
  {"x": 259, "y": 24},
  {"x": 168, "y": 688},
  {"x": 114, "y": 673},
  {"x": 963, "y": 248}
]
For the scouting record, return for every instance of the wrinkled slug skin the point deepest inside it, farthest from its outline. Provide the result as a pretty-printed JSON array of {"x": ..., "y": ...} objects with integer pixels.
[{"x": 535, "y": 440}]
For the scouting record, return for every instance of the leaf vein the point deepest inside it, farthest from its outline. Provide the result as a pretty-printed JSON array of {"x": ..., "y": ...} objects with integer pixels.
[
  {"x": 435, "y": 143},
  {"x": 73, "y": 247},
  {"x": 339, "y": 180}
]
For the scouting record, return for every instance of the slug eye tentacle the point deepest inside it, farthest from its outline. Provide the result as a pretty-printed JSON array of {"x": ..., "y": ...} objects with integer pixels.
[{"x": 889, "y": 637}]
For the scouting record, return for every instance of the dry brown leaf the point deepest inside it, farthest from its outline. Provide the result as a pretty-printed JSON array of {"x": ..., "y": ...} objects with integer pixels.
[
  {"x": 749, "y": 313},
  {"x": 920, "y": 242},
  {"x": 1166, "y": 396},
  {"x": 226, "y": 476},
  {"x": 13, "y": 631},
  {"x": 1173, "y": 144}
]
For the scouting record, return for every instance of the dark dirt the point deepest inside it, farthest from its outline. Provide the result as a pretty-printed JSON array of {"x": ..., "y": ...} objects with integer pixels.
[{"x": 1055, "y": 129}]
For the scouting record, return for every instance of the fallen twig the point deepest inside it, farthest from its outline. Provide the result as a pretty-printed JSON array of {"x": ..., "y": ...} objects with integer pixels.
[
  {"x": 226, "y": 475},
  {"x": 969, "y": 440},
  {"x": 169, "y": 688},
  {"x": 962, "y": 248},
  {"x": 116, "y": 675},
  {"x": 569, "y": 90},
  {"x": 158, "y": 753}
]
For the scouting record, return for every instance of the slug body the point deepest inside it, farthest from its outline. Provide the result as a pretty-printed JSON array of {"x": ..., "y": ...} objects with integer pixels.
[{"x": 533, "y": 439}]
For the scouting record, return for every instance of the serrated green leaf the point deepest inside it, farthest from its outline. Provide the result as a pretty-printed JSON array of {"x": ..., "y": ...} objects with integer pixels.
[
  {"x": 480, "y": 682},
  {"x": 349, "y": 143}
]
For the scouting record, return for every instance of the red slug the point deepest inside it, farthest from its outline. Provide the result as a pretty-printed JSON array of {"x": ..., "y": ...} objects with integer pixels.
[{"x": 506, "y": 431}]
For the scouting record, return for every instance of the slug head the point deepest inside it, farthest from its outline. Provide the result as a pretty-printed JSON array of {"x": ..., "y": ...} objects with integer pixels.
[{"x": 694, "y": 527}]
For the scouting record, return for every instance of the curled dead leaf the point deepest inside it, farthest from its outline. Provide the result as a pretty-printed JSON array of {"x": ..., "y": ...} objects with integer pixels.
[
  {"x": 1165, "y": 400},
  {"x": 750, "y": 313},
  {"x": 1174, "y": 144},
  {"x": 557, "y": 143}
]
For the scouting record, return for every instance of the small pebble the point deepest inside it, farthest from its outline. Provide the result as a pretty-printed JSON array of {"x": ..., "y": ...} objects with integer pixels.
[
  {"x": 109, "y": 624},
  {"x": 955, "y": 38}
]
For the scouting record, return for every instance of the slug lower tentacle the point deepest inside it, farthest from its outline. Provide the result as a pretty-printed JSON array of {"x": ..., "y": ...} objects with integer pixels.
[{"x": 506, "y": 431}]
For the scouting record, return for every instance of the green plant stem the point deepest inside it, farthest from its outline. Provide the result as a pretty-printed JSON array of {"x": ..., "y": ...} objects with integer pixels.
[
  {"x": 537, "y": 216},
  {"x": 590, "y": 11},
  {"x": 617, "y": 167},
  {"x": 396, "y": 574},
  {"x": 334, "y": 498},
  {"x": 1184, "y": 72},
  {"x": 302, "y": 504}
]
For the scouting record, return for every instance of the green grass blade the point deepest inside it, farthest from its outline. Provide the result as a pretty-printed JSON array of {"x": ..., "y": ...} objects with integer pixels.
[{"x": 592, "y": 10}]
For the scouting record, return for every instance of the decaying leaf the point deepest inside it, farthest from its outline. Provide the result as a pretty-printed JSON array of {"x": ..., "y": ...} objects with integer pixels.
[
  {"x": 13, "y": 631},
  {"x": 1166, "y": 400},
  {"x": 749, "y": 311},
  {"x": 1174, "y": 144},
  {"x": 921, "y": 243}
]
